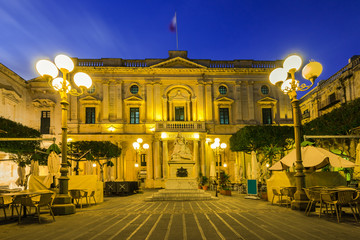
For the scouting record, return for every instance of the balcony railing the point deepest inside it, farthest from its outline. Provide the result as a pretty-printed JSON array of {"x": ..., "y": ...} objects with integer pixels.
[{"x": 175, "y": 126}]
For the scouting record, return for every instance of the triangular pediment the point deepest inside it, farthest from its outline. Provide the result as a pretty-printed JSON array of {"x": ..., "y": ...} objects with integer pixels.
[
  {"x": 90, "y": 100},
  {"x": 267, "y": 100},
  {"x": 134, "y": 98},
  {"x": 177, "y": 62},
  {"x": 224, "y": 100}
]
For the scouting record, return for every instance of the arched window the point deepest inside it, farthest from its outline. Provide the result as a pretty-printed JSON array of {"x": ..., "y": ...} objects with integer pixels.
[
  {"x": 134, "y": 89},
  {"x": 222, "y": 90},
  {"x": 264, "y": 89}
]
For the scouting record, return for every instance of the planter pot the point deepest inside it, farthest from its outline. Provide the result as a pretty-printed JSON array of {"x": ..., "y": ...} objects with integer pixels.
[
  {"x": 199, "y": 187},
  {"x": 264, "y": 196},
  {"x": 205, "y": 187},
  {"x": 225, "y": 192}
]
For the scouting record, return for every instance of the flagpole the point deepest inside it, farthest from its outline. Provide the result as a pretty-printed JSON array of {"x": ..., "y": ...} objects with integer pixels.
[{"x": 177, "y": 39}]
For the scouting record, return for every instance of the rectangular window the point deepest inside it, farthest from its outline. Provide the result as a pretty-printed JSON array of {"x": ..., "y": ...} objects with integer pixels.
[
  {"x": 143, "y": 160},
  {"x": 332, "y": 98},
  {"x": 45, "y": 122},
  {"x": 224, "y": 115},
  {"x": 90, "y": 115},
  {"x": 179, "y": 114},
  {"x": 267, "y": 116},
  {"x": 134, "y": 116}
]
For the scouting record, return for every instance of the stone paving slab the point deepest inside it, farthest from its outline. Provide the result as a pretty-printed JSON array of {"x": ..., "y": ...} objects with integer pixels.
[{"x": 231, "y": 217}]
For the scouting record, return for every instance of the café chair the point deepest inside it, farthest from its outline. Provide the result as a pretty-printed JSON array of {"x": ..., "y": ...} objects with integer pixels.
[
  {"x": 278, "y": 195},
  {"x": 46, "y": 199},
  {"x": 314, "y": 197},
  {"x": 91, "y": 195},
  {"x": 77, "y": 195},
  {"x": 3, "y": 205}
]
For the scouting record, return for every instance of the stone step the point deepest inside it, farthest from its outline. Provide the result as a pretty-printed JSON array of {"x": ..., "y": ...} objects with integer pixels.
[{"x": 180, "y": 195}]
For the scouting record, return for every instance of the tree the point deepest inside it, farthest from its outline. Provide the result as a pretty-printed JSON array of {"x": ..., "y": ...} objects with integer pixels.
[
  {"x": 101, "y": 150},
  {"x": 21, "y": 151},
  {"x": 255, "y": 138}
]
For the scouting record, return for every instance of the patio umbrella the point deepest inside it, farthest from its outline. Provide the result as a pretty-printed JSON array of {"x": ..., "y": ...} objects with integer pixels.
[
  {"x": 53, "y": 168},
  {"x": 313, "y": 157},
  {"x": 357, "y": 162},
  {"x": 241, "y": 175},
  {"x": 22, "y": 177},
  {"x": 254, "y": 166},
  {"x": 34, "y": 168},
  {"x": 88, "y": 168}
]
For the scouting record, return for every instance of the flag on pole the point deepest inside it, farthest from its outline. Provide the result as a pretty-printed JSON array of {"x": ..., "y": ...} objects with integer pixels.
[{"x": 173, "y": 24}]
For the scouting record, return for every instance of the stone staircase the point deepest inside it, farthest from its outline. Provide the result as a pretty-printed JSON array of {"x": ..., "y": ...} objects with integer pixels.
[{"x": 180, "y": 195}]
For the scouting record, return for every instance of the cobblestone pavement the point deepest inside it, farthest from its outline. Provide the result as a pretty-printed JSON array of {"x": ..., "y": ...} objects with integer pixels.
[{"x": 230, "y": 217}]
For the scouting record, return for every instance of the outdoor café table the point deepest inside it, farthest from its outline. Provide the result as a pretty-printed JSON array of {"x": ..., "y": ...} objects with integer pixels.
[{"x": 26, "y": 193}]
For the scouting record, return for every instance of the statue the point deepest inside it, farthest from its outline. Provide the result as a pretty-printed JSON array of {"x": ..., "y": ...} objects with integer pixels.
[{"x": 181, "y": 149}]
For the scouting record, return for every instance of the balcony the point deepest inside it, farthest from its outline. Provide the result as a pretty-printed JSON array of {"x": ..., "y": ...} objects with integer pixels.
[{"x": 183, "y": 126}]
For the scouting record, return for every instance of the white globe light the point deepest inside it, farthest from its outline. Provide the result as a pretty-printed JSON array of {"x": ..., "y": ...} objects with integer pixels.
[
  {"x": 139, "y": 140},
  {"x": 217, "y": 144},
  {"x": 225, "y": 165},
  {"x": 292, "y": 62},
  {"x": 82, "y": 80},
  {"x": 213, "y": 146},
  {"x": 64, "y": 63},
  {"x": 223, "y": 145},
  {"x": 136, "y": 165},
  {"x": 146, "y": 146},
  {"x": 217, "y": 139},
  {"x": 136, "y": 145},
  {"x": 57, "y": 83},
  {"x": 94, "y": 165},
  {"x": 278, "y": 75},
  {"x": 46, "y": 67},
  {"x": 312, "y": 70}
]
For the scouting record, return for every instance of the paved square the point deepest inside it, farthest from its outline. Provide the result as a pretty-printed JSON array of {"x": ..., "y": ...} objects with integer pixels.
[{"x": 232, "y": 217}]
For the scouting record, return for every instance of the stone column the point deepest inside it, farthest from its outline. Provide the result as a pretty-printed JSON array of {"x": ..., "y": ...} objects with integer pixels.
[
  {"x": 118, "y": 164},
  {"x": 165, "y": 117},
  {"x": 202, "y": 156},
  {"x": 251, "y": 106},
  {"x": 209, "y": 103},
  {"x": 149, "y": 164},
  {"x": 238, "y": 103},
  {"x": 149, "y": 102},
  {"x": 156, "y": 154},
  {"x": 170, "y": 111},
  {"x": 194, "y": 109},
  {"x": 119, "y": 102},
  {"x": 200, "y": 102},
  {"x": 196, "y": 157},
  {"x": 157, "y": 103},
  {"x": 188, "y": 115},
  {"x": 105, "y": 102},
  {"x": 165, "y": 158}
]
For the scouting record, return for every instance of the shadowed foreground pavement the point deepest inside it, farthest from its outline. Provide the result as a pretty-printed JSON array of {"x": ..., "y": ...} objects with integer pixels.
[{"x": 232, "y": 217}]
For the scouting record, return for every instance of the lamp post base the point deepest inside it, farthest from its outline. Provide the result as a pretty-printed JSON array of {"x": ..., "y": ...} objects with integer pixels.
[
  {"x": 62, "y": 205},
  {"x": 300, "y": 201}
]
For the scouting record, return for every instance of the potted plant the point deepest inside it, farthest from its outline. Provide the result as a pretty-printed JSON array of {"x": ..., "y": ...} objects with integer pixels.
[
  {"x": 225, "y": 184},
  {"x": 203, "y": 181}
]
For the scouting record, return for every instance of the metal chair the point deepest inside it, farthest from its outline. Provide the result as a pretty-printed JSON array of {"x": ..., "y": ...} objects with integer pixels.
[
  {"x": 339, "y": 199},
  {"x": 3, "y": 205},
  {"x": 277, "y": 194},
  {"x": 77, "y": 195},
  {"x": 91, "y": 195},
  {"x": 313, "y": 194},
  {"x": 46, "y": 199}
]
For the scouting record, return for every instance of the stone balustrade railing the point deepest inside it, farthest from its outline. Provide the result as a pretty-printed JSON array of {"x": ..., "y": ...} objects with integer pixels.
[
  {"x": 118, "y": 62},
  {"x": 175, "y": 126}
]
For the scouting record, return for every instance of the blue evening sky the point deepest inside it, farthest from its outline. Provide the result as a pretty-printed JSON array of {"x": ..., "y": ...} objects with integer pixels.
[{"x": 326, "y": 31}]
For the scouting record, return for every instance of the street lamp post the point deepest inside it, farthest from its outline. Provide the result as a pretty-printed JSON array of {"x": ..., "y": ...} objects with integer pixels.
[
  {"x": 139, "y": 149},
  {"x": 279, "y": 77},
  {"x": 47, "y": 69},
  {"x": 217, "y": 147}
]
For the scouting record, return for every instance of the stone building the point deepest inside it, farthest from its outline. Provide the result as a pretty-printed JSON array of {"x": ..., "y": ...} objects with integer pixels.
[
  {"x": 342, "y": 87},
  {"x": 154, "y": 99}
]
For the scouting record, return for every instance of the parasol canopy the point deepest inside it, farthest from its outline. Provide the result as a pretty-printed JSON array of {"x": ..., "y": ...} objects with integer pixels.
[{"x": 313, "y": 157}]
